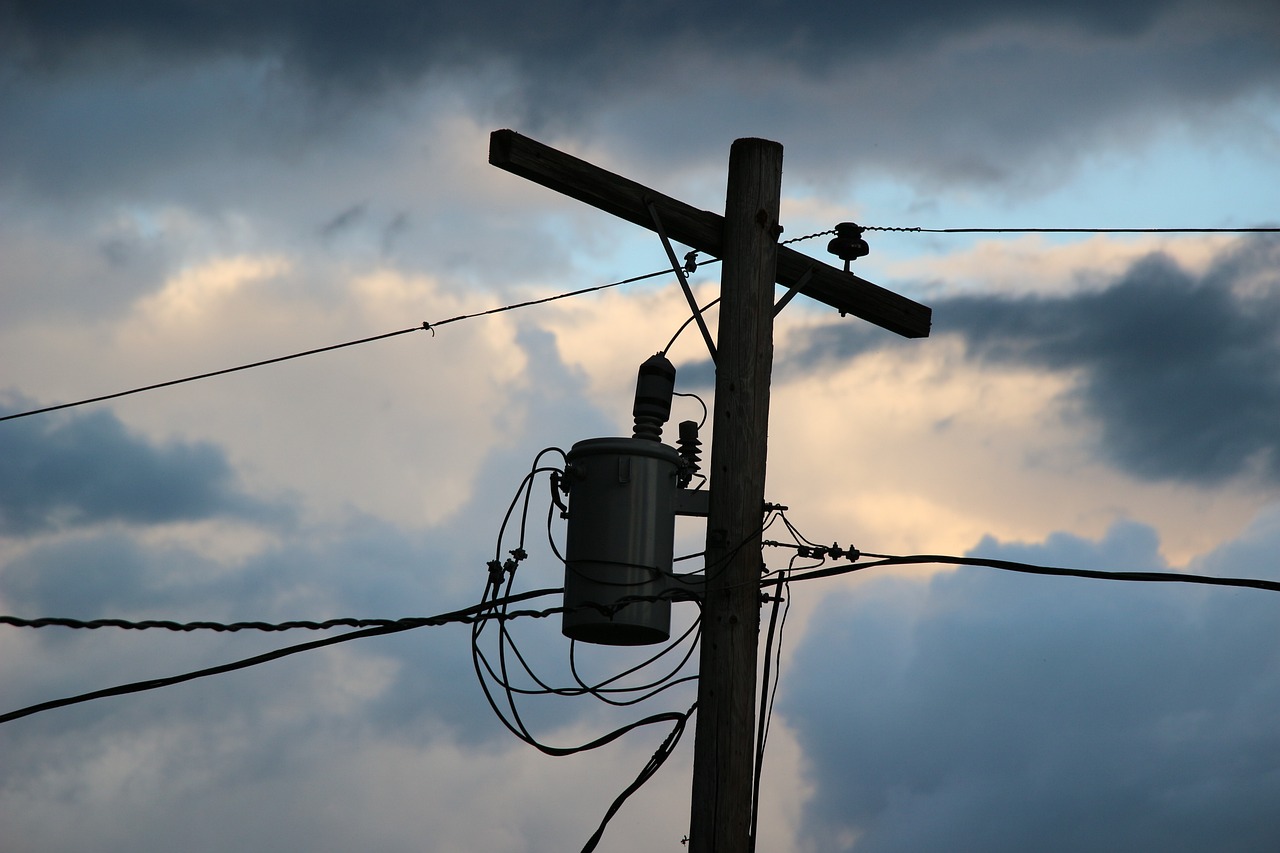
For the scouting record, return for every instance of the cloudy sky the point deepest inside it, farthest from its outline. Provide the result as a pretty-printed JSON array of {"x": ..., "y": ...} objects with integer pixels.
[{"x": 193, "y": 185}]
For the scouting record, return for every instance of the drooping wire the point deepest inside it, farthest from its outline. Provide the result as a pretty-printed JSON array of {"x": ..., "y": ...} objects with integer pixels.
[
  {"x": 425, "y": 326},
  {"x": 1250, "y": 230},
  {"x": 654, "y": 764},
  {"x": 515, "y": 724},
  {"x": 476, "y": 614},
  {"x": 701, "y": 402},
  {"x": 210, "y": 374},
  {"x": 692, "y": 317},
  {"x": 805, "y": 547},
  {"x": 1033, "y": 569},
  {"x": 169, "y": 625},
  {"x": 510, "y": 658},
  {"x": 656, "y": 686},
  {"x": 495, "y": 677},
  {"x": 772, "y": 655}
]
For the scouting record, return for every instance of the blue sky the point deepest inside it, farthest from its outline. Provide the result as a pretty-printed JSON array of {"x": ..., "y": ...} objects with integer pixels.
[{"x": 188, "y": 186}]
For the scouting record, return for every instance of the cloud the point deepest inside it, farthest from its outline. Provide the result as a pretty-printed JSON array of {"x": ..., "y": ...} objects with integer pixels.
[
  {"x": 1180, "y": 371},
  {"x": 982, "y": 710},
  {"x": 388, "y": 38},
  {"x": 278, "y": 78},
  {"x": 200, "y": 749},
  {"x": 85, "y": 469}
]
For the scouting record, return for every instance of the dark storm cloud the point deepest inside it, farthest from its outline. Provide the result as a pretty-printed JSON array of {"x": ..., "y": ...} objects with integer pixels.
[
  {"x": 568, "y": 51},
  {"x": 998, "y": 712},
  {"x": 124, "y": 96},
  {"x": 1181, "y": 373},
  {"x": 58, "y": 471},
  {"x": 380, "y": 38}
]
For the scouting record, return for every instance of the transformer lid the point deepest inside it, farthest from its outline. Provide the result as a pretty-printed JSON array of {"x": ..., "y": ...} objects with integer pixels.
[{"x": 624, "y": 447}]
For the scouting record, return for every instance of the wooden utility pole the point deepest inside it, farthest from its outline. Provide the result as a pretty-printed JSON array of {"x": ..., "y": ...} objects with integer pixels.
[
  {"x": 746, "y": 240},
  {"x": 723, "y": 753}
]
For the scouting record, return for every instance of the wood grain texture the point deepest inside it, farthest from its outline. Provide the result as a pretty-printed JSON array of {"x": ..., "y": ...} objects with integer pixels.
[{"x": 724, "y": 754}]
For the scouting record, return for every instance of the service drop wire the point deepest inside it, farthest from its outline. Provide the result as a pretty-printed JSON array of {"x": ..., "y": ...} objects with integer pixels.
[
  {"x": 762, "y": 717},
  {"x": 515, "y": 723},
  {"x": 524, "y": 489},
  {"x": 493, "y": 587},
  {"x": 769, "y": 693},
  {"x": 476, "y": 614},
  {"x": 504, "y": 637},
  {"x": 878, "y": 560},
  {"x": 521, "y": 732},
  {"x": 528, "y": 495},
  {"x": 650, "y": 769},
  {"x": 501, "y": 677},
  {"x": 498, "y": 569},
  {"x": 655, "y": 686}
]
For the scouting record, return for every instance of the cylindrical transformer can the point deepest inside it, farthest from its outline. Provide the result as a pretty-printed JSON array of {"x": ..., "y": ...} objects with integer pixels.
[{"x": 620, "y": 540}]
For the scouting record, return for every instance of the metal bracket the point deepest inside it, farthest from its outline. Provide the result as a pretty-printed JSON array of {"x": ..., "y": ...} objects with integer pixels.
[
  {"x": 693, "y": 502},
  {"x": 792, "y": 291},
  {"x": 678, "y": 269}
]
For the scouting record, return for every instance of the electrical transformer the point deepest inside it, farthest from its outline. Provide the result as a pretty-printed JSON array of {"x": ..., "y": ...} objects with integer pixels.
[{"x": 619, "y": 541}]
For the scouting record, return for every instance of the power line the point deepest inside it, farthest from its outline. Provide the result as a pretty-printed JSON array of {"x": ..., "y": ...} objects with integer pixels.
[
  {"x": 1024, "y": 568},
  {"x": 430, "y": 326},
  {"x": 208, "y": 375},
  {"x": 232, "y": 627},
  {"x": 425, "y": 326},
  {"x": 1251, "y": 230},
  {"x": 473, "y": 614}
]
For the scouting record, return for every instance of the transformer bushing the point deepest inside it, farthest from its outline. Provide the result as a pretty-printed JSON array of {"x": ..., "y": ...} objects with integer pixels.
[{"x": 619, "y": 541}]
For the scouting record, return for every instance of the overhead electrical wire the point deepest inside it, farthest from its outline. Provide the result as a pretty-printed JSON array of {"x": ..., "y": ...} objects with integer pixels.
[
  {"x": 690, "y": 266},
  {"x": 830, "y": 571},
  {"x": 497, "y": 607},
  {"x": 500, "y": 579},
  {"x": 807, "y": 548},
  {"x": 169, "y": 625},
  {"x": 424, "y": 327},
  {"x": 1250, "y": 230},
  {"x": 497, "y": 678},
  {"x": 879, "y": 560},
  {"x": 654, "y": 764},
  {"x": 768, "y": 693},
  {"x": 473, "y": 614}
]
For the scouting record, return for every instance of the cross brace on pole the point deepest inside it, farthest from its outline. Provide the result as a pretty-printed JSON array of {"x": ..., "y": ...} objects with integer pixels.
[{"x": 701, "y": 230}]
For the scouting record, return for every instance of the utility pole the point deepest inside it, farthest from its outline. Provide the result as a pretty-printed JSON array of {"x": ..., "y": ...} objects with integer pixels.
[
  {"x": 746, "y": 240},
  {"x": 723, "y": 756}
]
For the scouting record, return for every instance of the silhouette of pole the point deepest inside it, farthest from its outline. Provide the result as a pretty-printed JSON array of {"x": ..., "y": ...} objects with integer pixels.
[{"x": 723, "y": 763}]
